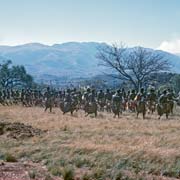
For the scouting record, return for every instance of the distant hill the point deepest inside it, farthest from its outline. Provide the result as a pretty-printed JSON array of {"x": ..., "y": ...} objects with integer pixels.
[{"x": 67, "y": 60}]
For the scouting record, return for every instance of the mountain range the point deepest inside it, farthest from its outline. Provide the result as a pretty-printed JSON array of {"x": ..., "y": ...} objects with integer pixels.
[{"x": 67, "y": 60}]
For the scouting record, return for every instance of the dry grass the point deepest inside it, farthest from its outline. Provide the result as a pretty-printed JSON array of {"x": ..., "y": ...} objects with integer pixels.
[{"x": 104, "y": 142}]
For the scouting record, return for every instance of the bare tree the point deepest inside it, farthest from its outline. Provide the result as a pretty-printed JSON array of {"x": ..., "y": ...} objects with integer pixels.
[{"x": 135, "y": 65}]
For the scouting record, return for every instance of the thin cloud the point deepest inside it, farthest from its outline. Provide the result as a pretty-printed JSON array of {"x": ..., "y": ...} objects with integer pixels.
[{"x": 170, "y": 46}]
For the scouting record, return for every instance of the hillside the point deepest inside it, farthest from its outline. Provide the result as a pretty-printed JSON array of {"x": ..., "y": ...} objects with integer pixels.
[{"x": 72, "y": 59}]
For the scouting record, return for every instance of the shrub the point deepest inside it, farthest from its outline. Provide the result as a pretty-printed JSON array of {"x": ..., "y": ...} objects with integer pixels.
[
  {"x": 55, "y": 170},
  {"x": 32, "y": 174},
  {"x": 10, "y": 158},
  {"x": 68, "y": 173}
]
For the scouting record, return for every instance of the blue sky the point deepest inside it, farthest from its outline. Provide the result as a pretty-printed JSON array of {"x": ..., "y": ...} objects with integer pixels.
[{"x": 149, "y": 23}]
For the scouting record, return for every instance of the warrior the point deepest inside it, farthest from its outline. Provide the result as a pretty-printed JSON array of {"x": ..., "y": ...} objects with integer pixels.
[
  {"x": 117, "y": 103},
  {"x": 151, "y": 100},
  {"x": 171, "y": 97},
  {"x": 131, "y": 100},
  {"x": 101, "y": 99},
  {"x": 163, "y": 105},
  {"x": 108, "y": 99},
  {"x": 141, "y": 103},
  {"x": 49, "y": 100},
  {"x": 91, "y": 106}
]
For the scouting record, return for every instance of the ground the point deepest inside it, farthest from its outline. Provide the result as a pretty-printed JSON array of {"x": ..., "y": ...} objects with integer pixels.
[{"x": 96, "y": 148}]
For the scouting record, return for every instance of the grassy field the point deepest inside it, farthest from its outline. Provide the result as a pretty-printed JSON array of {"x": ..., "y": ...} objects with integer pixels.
[{"x": 98, "y": 148}]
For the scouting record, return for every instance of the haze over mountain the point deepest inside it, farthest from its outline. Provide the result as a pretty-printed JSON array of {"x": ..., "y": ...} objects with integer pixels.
[{"x": 72, "y": 59}]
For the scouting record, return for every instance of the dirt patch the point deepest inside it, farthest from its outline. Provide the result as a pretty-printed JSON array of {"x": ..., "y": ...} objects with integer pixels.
[
  {"x": 24, "y": 171},
  {"x": 142, "y": 175},
  {"x": 18, "y": 130}
]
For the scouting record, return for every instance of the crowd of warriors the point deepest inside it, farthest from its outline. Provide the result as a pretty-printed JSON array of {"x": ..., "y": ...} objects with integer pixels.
[{"x": 92, "y": 100}]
